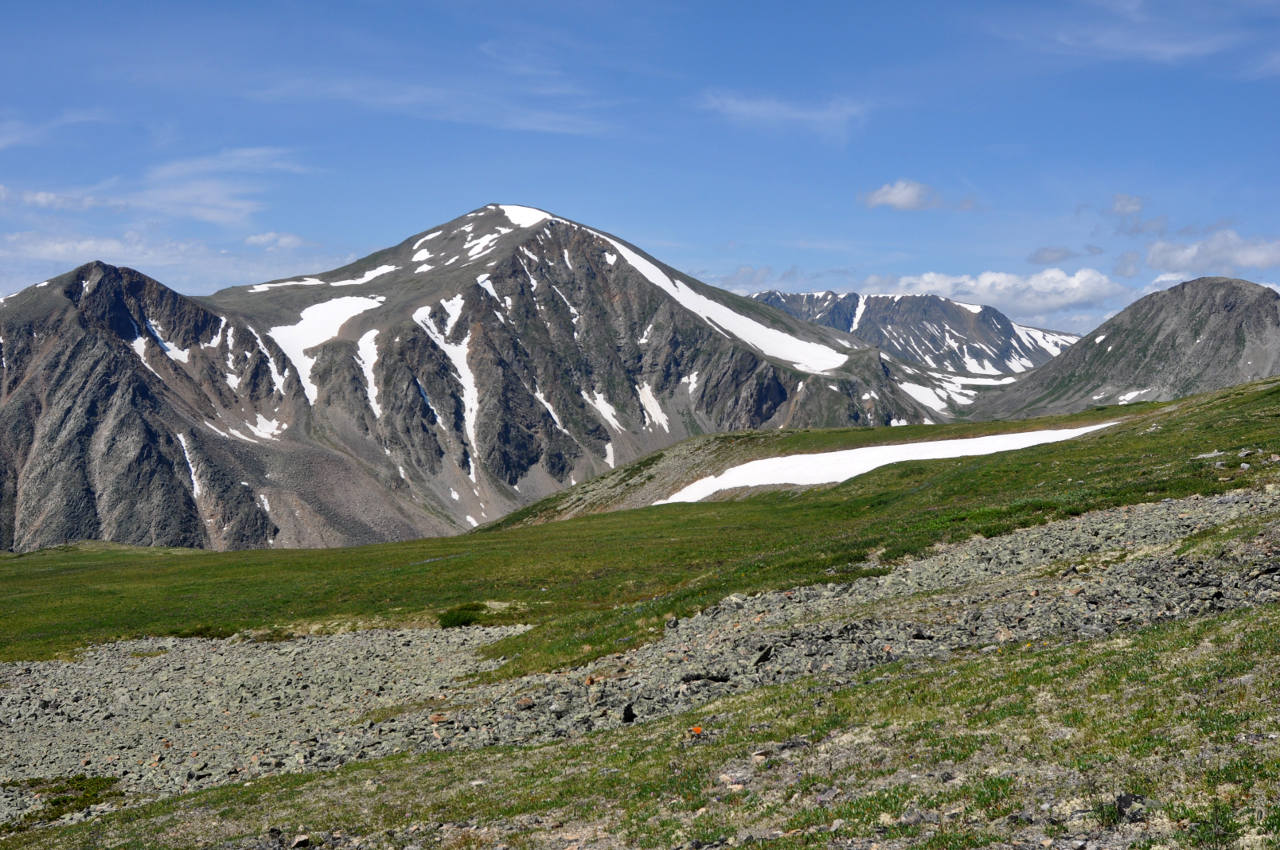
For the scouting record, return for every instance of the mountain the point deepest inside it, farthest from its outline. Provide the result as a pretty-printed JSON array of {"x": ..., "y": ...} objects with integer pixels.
[
  {"x": 928, "y": 330},
  {"x": 1205, "y": 334},
  {"x": 425, "y": 389}
]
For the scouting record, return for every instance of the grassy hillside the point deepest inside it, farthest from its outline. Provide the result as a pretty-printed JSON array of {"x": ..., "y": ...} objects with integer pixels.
[{"x": 594, "y": 584}]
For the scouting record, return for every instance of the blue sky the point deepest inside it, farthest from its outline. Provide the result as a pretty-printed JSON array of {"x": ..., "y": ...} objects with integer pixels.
[{"x": 1054, "y": 160}]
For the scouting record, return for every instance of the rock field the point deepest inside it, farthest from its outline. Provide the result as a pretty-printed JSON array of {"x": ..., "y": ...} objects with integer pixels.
[{"x": 167, "y": 715}]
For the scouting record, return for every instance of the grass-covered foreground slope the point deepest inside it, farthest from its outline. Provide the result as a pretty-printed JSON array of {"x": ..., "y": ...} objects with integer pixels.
[
  {"x": 1165, "y": 737},
  {"x": 594, "y": 584}
]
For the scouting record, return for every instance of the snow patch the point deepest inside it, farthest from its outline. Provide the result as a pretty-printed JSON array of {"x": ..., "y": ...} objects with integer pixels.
[
  {"x": 523, "y": 216},
  {"x": 604, "y": 408},
  {"x": 1130, "y": 396},
  {"x": 834, "y": 467},
  {"x": 610, "y": 258},
  {"x": 1097, "y": 340},
  {"x": 483, "y": 282},
  {"x": 366, "y": 357},
  {"x": 554, "y": 416},
  {"x": 318, "y": 324},
  {"x": 608, "y": 454},
  {"x": 267, "y": 429},
  {"x": 472, "y": 520},
  {"x": 366, "y": 277},
  {"x": 927, "y": 396},
  {"x": 195, "y": 482},
  {"x": 432, "y": 235},
  {"x": 652, "y": 409}
]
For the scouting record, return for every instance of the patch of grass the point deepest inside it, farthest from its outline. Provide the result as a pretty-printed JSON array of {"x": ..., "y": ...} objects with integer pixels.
[
  {"x": 466, "y": 614},
  {"x": 62, "y": 795}
]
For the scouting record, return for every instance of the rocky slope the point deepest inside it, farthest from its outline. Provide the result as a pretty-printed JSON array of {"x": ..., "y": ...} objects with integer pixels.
[
  {"x": 425, "y": 389},
  {"x": 928, "y": 330},
  {"x": 153, "y": 712},
  {"x": 1205, "y": 334}
]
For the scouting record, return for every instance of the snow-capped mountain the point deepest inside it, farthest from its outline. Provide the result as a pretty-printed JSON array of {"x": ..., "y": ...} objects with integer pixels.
[
  {"x": 427, "y": 388},
  {"x": 1205, "y": 334},
  {"x": 928, "y": 330}
]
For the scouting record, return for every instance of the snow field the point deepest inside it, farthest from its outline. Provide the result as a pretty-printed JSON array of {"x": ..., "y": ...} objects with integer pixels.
[{"x": 834, "y": 467}]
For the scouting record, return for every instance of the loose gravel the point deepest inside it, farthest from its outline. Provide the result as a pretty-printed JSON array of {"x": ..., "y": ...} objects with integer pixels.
[{"x": 171, "y": 715}]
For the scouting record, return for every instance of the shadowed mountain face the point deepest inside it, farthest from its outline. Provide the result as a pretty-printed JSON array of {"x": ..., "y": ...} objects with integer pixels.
[
  {"x": 928, "y": 330},
  {"x": 429, "y": 387},
  {"x": 1205, "y": 334}
]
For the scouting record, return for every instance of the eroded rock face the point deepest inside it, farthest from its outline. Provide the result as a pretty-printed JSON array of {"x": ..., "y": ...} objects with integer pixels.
[{"x": 430, "y": 387}]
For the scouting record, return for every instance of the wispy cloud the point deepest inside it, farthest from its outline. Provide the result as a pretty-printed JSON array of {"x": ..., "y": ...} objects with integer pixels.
[
  {"x": 218, "y": 188},
  {"x": 14, "y": 132},
  {"x": 190, "y": 265},
  {"x": 1166, "y": 33},
  {"x": 510, "y": 103},
  {"x": 830, "y": 120},
  {"x": 272, "y": 241}
]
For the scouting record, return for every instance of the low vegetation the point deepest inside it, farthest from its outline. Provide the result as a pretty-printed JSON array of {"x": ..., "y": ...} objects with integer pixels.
[
  {"x": 598, "y": 583},
  {"x": 1169, "y": 734}
]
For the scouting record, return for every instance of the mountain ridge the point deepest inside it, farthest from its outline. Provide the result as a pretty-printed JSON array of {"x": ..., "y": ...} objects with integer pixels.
[{"x": 427, "y": 388}]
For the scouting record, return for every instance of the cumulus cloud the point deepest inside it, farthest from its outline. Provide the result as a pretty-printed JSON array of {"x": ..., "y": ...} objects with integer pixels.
[
  {"x": 1127, "y": 264},
  {"x": 1221, "y": 253},
  {"x": 1041, "y": 293},
  {"x": 1050, "y": 254},
  {"x": 830, "y": 119},
  {"x": 273, "y": 241},
  {"x": 903, "y": 195}
]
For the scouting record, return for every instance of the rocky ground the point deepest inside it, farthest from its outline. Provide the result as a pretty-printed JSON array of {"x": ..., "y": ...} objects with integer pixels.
[{"x": 171, "y": 715}]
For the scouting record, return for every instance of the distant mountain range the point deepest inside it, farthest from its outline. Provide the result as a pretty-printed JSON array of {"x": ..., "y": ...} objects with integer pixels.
[
  {"x": 928, "y": 330},
  {"x": 469, "y": 370}
]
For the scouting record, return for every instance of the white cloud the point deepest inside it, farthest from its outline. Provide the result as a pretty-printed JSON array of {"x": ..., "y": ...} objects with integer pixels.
[
  {"x": 1222, "y": 252},
  {"x": 903, "y": 195},
  {"x": 1041, "y": 293},
  {"x": 1122, "y": 204},
  {"x": 830, "y": 120},
  {"x": 273, "y": 241}
]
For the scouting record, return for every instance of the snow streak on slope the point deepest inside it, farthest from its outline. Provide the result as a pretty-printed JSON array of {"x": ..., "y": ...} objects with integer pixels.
[
  {"x": 312, "y": 281},
  {"x": 834, "y": 467},
  {"x": 366, "y": 356},
  {"x": 806, "y": 356},
  {"x": 457, "y": 354},
  {"x": 318, "y": 323}
]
